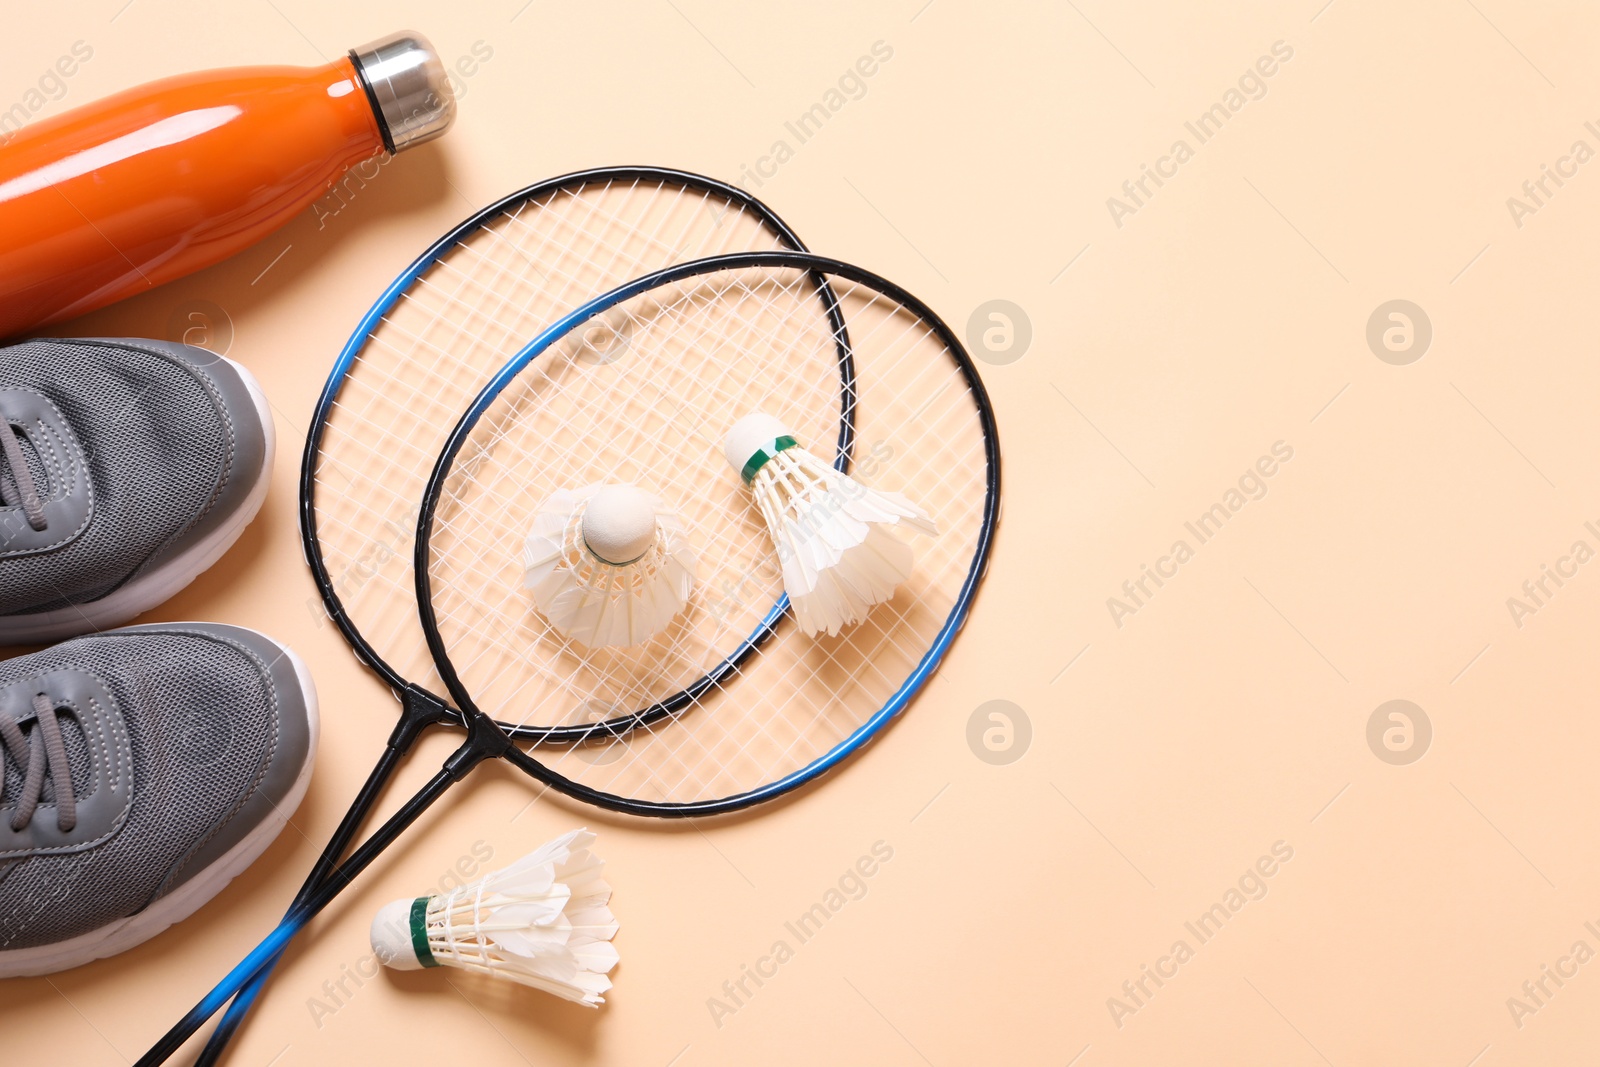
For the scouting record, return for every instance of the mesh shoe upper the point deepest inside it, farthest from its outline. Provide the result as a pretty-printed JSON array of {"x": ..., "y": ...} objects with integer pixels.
[
  {"x": 152, "y": 446},
  {"x": 201, "y": 737}
]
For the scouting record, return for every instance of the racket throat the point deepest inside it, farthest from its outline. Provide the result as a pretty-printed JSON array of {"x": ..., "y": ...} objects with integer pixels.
[
  {"x": 485, "y": 741},
  {"x": 419, "y": 710}
]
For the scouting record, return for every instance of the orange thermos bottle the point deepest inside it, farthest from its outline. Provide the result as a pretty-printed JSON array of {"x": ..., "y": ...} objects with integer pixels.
[{"x": 121, "y": 195}]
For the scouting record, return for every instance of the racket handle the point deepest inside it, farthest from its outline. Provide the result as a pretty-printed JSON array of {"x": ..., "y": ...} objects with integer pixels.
[
  {"x": 262, "y": 956},
  {"x": 118, "y": 196},
  {"x": 420, "y": 711},
  {"x": 234, "y": 1017},
  {"x": 485, "y": 740}
]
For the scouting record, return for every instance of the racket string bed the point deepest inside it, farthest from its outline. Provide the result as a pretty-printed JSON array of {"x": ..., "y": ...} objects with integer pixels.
[
  {"x": 714, "y": 343},
  {"x": 404, "y": 359}
]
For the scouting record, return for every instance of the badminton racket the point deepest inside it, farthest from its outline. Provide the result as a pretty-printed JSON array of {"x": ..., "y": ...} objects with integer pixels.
[
  {"x": 706, "y": 341},
  {"x": 454, "y": 316}
]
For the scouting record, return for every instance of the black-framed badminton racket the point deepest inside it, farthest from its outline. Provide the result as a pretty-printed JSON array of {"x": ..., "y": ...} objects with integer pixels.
[
  {"x": 427, "y": 345},
  {"x": 702, "y": 343}
]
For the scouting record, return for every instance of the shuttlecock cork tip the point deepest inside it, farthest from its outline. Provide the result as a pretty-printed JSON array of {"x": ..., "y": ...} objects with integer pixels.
[
  {"x": 751, "y": 441},
  {"x": 393, "y": 941},
  {"x": 619, "y": 524}
]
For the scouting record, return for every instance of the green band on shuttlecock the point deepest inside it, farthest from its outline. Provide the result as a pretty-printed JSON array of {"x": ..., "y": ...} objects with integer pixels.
[
  {"x": 419, "y": 932},
  {"x": 765, "y": 453}
]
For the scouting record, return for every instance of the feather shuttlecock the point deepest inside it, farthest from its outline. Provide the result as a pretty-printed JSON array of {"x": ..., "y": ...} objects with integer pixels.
[
  {"x": 832, "y": 533},
  {"x": 543, "y": 922},
  {"x": 608, "y": 564}
]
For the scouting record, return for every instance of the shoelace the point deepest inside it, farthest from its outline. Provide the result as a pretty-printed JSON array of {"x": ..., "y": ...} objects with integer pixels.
[
  {"x": 47, "y": 751},
  {"x": 20, "y": 489}
]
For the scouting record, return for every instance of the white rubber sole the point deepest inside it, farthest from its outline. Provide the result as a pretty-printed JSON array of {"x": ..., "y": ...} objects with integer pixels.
[
  {"x": 167, "y": 581},
  {"x": 123, "y": 934}
]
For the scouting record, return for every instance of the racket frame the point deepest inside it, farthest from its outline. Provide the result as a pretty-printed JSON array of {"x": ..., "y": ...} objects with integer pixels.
[
  {"x": 421, "y": 708},
  {"x": 819, "y": 267}
]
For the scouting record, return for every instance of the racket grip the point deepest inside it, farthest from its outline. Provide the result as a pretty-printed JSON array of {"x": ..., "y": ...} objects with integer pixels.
[
  {"x": 420, "y": 712},
  {"x": 118, "y": 196},
  {"x": 262, "y": 956},
  {"x": 234, "y": 1017}
]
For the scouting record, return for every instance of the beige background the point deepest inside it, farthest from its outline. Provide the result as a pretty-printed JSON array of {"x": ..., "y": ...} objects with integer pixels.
[{"x": 1229, "y": 312}]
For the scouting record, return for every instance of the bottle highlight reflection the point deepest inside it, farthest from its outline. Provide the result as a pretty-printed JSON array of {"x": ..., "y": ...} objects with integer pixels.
[{"x": 121, "y": 195}]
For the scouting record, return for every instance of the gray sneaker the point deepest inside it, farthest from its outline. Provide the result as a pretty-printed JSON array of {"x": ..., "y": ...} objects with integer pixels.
[
  {"x": 143, "y": 769},
  {"x": 129, "y": 467}
]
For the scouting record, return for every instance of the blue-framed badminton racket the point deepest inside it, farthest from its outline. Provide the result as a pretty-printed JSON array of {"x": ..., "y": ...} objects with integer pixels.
[{"x": 640, "y": 386}]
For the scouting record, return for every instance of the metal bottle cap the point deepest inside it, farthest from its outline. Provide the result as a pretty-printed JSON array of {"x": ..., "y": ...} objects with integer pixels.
[{"x": 407, "y": 87}]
